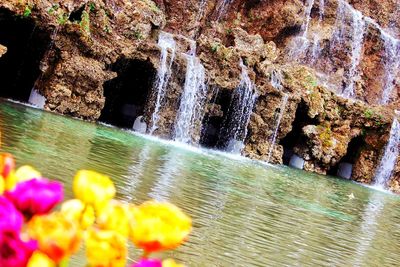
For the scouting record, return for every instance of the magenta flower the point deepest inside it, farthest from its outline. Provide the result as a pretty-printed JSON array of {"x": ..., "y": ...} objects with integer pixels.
[
  {"x": 148, "y": 263},
  {"x": 36, "y": 196},
  {"x": 10, "y": 219},
  {"x": 14, "y": 252}
]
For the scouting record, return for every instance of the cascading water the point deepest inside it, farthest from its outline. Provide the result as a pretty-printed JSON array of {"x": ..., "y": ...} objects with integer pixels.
[
  {"x": 388, "y": 161},
  {"x": 276, "y": 79},
  {"x": 282, "y": 110},
  {"x": 241, "y": 107},
  {"x": 316, "y": 49},
  {"x": 165, "y": 42},
  {"x": 191, "y": 109},
  {"x": 222, "y": 8},
  {"x": 358, "y": 25},
  {"x": 391, "y": 65}
]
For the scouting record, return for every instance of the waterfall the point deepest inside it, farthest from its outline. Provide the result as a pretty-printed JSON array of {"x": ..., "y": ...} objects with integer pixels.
[
  {"x": 241, "y": 108},
  {"x": 358, "y": 25},
  {"x": 391, "y": 65},
  {"x": 272, "y": 142},
  {"x": 276, "y": 79},
  {"x": 37, "y": 99},
  {"x": 165, "y": 42},
  {"x": 222, "y": 8},
  {"x": 388, "y": 161},
  {"x": 316, "y": 50},
  {"x": 191, "y": 109},
  {"x": 307, "y": 15}
]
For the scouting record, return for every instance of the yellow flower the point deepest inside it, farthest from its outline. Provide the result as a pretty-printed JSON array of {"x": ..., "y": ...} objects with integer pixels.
[
  {"x": 39, "y": 259},
  {"x": 23, "y": 173},
  {"x": 159, "y": 226},
  {"x": 58, "y": 237},
  {"x": 2, "y": 185},
  {"x": 26, "y": 172},
  {"x": 93, "y": 188},
  {"x": 105, "y": 248},
  {"x": 171, "y": 263},
  {"x": 115, "y": 216},
  {"x": 77, "y": 211}
]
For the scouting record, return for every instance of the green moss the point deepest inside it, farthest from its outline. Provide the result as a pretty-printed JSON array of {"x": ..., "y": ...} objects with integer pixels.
[
  {"x": 27, "y": 11},
  {"x": 53, "y": 9},
  {"x": 85, "y": 23},
  {"x": 137, "y": 34},
  {"x": 369, "y": 113},
  {"x": 92, "y": 7},
  {"x": 215, "y": 47},
  {"x": 228, "y": 31},
  {"x": 325, "y": 136}
]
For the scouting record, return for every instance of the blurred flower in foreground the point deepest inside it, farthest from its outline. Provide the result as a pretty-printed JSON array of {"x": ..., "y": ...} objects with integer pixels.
[
  {"x": 23, "y": 173},
  {"x": 171, "y": 263},
  {"x": 10, "y": 219},
  {"x": 148, "y": 263},
  {"x": 14, "y": 251},
  {"x": 7, "y": 164},
  {"x": 76, "y": 210},
  {"x": 159, "y": 226},
  {"x": 93, "y": 188},
  {"x": 58, "y": 237},
  {"x": 36, "y": 196},
  {"x": 40, "y": 259},
  {"x": 115, "y": 216},
  {"x": 105, "y": 248}
]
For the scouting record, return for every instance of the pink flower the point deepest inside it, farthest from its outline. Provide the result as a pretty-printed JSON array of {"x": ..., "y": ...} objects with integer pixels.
[
  {"x": 14, "y": 252},
  {"x": 36, "y": 196},
  {"x": 148, "y": 263},
  {"x": 10, "y": 218}
]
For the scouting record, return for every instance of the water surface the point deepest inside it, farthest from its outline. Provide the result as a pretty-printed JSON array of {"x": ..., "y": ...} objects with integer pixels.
[{"x": 245, "y": 213}]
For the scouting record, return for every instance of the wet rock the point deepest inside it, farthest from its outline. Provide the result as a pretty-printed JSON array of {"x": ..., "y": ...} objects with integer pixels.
[{"x": 3, "y": 50}]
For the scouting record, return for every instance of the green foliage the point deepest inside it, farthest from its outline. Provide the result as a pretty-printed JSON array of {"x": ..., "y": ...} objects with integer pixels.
[
  {"x": 27, "y": 12},
  {"x": 214, "y": 47},
  {"x": 325, "y": 136},
  {"x": 85, "y": 23},
  {"x": 137, "y": 34},
  {"x": 62, "y": 18},
  {"x": 368, "y": 113},
  {"x": 92, "y": 7},
  {"x": 53, "y": 9},
  {"x": 228, "y": 31}
]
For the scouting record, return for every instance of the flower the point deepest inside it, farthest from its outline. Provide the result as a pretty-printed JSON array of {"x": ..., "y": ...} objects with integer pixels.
[
  {"x": 10, "y": 219},
  {"x": 36, "y": 196},
  {"x": 93, "y": 188},
  {"x": 115, "y": 216},
  {"x": 14, "y": 251},
  {"x": 158, "y": 226},
  {"x": 22, "y": 174},
  {"x": 76, "y": 210},
  {"x": 58, "y": 237},
  {"x": 7, "y": 164},
  {"x": 40, "y": 259},
  {"x": 148, "y": 263},
  {"x": 171, "y": 263},
  {"x": 105, "y": 248}
]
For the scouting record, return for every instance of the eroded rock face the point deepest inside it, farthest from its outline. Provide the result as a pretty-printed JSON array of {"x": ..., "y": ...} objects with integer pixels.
[
  {"x": 298, "y": 109},
  {"x": 3, "y": 50}
]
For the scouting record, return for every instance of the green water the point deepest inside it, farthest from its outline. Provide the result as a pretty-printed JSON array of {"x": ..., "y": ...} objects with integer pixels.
[{"x": 244, "y": 213}]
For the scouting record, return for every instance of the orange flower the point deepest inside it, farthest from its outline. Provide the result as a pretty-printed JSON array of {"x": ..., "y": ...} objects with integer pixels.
[
  {"x": 115, "y": 216},
  {"x": 7, "y": 164},
  {"x": 105, "y": 248},
  {"x": 159, "y": 226},
  {"x": 93, "y": 188},
  {"x": 57, "y": 236}
]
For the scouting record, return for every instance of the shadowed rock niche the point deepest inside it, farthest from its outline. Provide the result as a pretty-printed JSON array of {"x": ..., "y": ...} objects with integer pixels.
[
  {"x": 26, "y": 45},
  {"x": 127, "y": 94},
  {"x": 214, "y": 119}
]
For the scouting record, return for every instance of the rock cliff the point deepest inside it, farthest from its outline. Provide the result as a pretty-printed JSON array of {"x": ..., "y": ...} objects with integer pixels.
[{"x": 325, "y": 72}]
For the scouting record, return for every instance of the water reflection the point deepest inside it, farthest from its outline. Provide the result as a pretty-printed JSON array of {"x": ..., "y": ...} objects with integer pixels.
[{"x": 244, "y": 213}]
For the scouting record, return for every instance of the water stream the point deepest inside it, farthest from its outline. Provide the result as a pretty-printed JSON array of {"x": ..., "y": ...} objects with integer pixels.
[
  {"x": 192, "y": 102},
  {"x": 391, "y": 64},
  {"x": 167, "y": 43},
  {"x": 241, "y": 108},
  {"x": 389, "y": 158},
  {"x": 272, "y": 141}
]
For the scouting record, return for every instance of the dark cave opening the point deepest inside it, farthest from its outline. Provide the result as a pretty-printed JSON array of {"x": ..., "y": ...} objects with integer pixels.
[
  {"x": 214, "y": 119},
  {"x": 26, "y": 45},
  {"x": 295, "y": 136},
  {"x": 353, "y": 152},
  {"x": 127, "y": 94}
]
